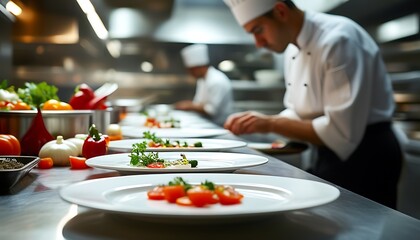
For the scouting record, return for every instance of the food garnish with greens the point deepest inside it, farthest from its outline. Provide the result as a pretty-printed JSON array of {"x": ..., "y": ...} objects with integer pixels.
[
  {"x": 157, "y": 142},
  {"x": 140, "y": 158},
  {"x": 184, "y": 194}
]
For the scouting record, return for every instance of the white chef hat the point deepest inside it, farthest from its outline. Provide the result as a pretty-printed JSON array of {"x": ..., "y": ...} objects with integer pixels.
[
  {"x": 246, "y": 10},
  {"x": 195, "y": 55}
]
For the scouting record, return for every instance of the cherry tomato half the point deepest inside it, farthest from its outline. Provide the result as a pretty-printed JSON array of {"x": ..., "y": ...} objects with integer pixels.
[
  {"x": 172, "y": 193},
  {"x": 78, "y": 162},
  {"x": 45, "y": 163},
  {"x": 184, "y": 201},
  {"x": 156, "y": 165},
  {"x": 156, "y": 193},
  {"x": 228, "y": 195},
  {"x": 201, "y": 196}
]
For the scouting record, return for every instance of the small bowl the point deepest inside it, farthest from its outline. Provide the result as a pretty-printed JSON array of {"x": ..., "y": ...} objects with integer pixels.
[{"x": 9, "y": 177}]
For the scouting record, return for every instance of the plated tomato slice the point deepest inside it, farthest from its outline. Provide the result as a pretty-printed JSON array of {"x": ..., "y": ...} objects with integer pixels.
[
  {"x": 45, "y": 163},
  {"x": 156, "y": 193},
  {"x": 201, "y": 196},
  {"x": 228, "y": 195},
  {"x": 184, "y": 201},
  {"x": 172, "y": 193},
  {"x": 156, "y": 165},
  {"x": 78, "y": 162}
]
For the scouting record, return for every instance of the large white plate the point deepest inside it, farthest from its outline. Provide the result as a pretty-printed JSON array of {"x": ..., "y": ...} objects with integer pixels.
[
  {"x": 207, "y": 162},
  {"x": 263, "y": 195},
  {"x": 137, "y": 132},
  {"x": 208, "y": 145}
]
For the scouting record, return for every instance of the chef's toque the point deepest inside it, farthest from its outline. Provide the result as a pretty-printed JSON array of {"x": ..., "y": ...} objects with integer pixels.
[
  {"x": 195, "y": 55},
  {"x": 246, "y": 10}
]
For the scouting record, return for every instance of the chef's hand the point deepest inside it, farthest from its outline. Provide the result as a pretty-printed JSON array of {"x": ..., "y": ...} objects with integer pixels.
[{"x": 248, "y": 122}]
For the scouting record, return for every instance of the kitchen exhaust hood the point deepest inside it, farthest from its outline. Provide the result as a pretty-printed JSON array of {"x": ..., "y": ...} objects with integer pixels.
[
  {"x": 38, "y": 25},
  {"x": 189, "y": 21}
]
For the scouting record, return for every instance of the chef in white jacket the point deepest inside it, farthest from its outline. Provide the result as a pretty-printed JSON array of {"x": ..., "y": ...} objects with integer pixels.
[
  {"x": 338, "y": 95},
  {"x": 213, "y": 96}
]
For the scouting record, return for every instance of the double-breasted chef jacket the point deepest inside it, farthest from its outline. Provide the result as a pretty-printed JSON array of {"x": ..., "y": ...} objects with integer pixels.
[{"x": 337, "y": 78}]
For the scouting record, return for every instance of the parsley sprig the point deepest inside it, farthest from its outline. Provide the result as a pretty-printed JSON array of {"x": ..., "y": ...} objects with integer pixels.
[
  {"x": 167, "y": 142},
  {"x": 140, "y": 158}
]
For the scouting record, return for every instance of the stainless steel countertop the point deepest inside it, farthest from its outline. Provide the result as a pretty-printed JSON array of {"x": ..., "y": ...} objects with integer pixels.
[{"x": 34, "y": 210}]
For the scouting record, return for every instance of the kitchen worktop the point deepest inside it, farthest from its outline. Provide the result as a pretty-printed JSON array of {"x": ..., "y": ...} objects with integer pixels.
[{"x": 33, "y": 209}]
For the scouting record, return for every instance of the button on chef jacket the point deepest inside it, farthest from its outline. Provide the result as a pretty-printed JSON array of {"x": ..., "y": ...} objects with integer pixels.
[
  {"x": 215, "y": 92},
  {"x": 337, "y": 78}
]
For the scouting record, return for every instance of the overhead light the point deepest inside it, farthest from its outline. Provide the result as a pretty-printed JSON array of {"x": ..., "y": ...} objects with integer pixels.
[
  {"x": 13, "y": 8},
  {"x": 226, "y": 66},
  {"x": 398, "y": 28},
  {"x": 114, "y": 48},
  {"x": 146, "y": 66},
  {"x": 94, "y": 19}
]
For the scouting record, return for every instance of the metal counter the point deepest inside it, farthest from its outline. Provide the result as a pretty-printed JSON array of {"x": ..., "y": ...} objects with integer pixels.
[{"x": 33, "y": 209}]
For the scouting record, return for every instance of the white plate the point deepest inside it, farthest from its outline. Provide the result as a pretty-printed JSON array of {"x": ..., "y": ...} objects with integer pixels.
[
  {"x": 137, "y": 132},
  {"x": 263, "y": 196},
  {"x": 266, "y": 146},
  {"x": 207, "y": 162},
  {"x": 208, "y": 145}
]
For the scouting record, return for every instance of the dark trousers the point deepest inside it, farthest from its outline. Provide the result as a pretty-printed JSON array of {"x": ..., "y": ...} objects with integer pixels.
[{"x": 373, "y": 170}]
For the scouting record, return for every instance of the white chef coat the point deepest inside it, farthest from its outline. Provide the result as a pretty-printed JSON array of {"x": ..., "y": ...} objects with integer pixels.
[
  {"x": 215, "y": 92},
  {"x": 337, "y": 78}
]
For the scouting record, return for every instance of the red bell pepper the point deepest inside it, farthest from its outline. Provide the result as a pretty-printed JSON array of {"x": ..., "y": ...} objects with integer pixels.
[
  {"x": 80, "y": 100},
  {"x": 95, "y": 144}
]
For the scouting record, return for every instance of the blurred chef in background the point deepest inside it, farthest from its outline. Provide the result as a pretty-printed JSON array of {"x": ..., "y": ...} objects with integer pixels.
[
  {"x": 213, "y": 96},
  {"x": 338, "y": 97}
]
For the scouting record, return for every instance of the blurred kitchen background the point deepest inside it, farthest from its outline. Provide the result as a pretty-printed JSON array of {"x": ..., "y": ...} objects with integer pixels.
[{"x": 136, "y": 44}]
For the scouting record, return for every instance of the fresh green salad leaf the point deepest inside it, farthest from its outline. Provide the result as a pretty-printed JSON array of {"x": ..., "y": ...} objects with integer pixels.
[
  {"x": 5, "y": 85},
  {"x": 36, "y": 94}
]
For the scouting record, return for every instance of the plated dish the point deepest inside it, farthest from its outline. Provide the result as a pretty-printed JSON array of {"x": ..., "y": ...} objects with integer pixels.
[
  {"x": 207, "y": 145},
  {"x": 207, "y": 162},
  {"x": 137, "y": 132},
  {"x": 263, "y": 196},
  {"x": 278, "y": 147}
]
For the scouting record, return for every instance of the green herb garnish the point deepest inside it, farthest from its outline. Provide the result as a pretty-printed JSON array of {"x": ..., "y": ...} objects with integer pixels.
[{"x": 140, "y": 158}]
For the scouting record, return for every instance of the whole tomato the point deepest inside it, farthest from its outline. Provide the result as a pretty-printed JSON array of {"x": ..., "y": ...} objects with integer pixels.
[{"x": 9, "y": 145}]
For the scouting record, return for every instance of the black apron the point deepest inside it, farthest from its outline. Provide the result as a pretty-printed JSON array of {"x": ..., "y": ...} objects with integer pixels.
[{"x": 372, "y": 170}]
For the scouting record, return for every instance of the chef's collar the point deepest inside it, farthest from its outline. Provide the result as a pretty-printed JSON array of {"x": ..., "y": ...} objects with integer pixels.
[{"x": 306, "y": 32}]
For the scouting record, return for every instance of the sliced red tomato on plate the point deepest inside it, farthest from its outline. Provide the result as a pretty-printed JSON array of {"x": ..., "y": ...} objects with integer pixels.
[
  {"x": 156, "y": 193},
  {"x": 156, "y": 165},
  {"x": 172, "y": 193},
  {"x": 184, "y": 201},
  {"x": 201, "y": 196},
  {"x": 228, "y": 195}
]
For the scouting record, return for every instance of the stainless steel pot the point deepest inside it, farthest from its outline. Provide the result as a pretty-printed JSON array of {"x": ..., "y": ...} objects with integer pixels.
[{"x": 66, "y": 123}]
